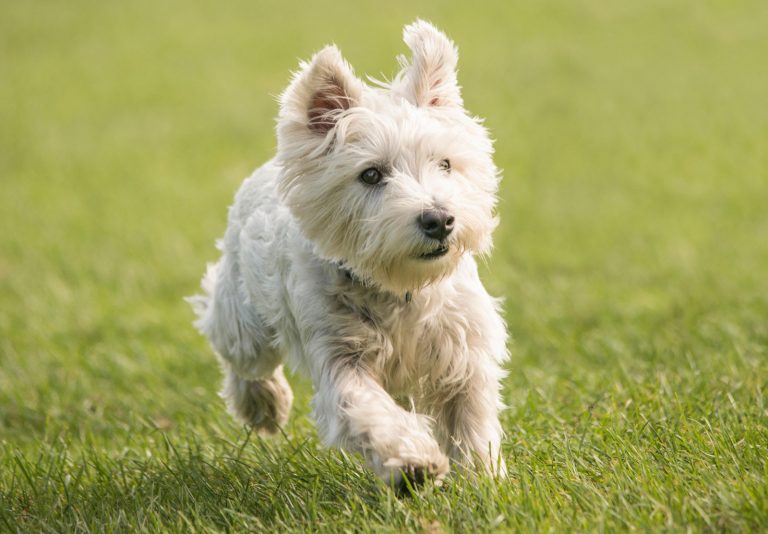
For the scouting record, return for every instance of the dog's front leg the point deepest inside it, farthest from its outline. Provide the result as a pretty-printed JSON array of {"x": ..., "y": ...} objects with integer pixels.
[
  {"x": 470, "y": 419},
  {"x": 354, "y": 412}
]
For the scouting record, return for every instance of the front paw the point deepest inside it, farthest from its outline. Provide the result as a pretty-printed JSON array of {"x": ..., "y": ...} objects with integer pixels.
[{"x": 405, "y": 474}]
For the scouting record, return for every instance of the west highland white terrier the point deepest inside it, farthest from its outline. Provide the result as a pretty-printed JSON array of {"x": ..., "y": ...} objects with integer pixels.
[{"x": 350, "y": 257}]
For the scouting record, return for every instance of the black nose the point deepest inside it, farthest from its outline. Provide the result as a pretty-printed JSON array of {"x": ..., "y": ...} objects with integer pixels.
[{"x": 437, "y": 224}]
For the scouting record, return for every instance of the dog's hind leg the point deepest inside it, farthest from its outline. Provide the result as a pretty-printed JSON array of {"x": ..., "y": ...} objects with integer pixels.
[
  {"x": 263, "y": 403},
  {"x": 255, "y": 389}
]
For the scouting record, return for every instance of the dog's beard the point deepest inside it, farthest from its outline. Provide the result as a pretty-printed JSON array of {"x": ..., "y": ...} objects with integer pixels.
[{"x": 411, "y": 268}]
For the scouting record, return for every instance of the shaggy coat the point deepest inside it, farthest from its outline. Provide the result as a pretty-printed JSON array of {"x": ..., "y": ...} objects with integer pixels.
[{"x": 328, "y": 266}]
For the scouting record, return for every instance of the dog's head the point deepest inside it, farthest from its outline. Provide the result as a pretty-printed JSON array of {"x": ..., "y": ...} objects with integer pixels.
[{"x": 395, "y": 180}]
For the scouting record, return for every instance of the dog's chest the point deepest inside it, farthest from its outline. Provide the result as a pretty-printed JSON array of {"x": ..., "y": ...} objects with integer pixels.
[{"x": 417, "y": 340}]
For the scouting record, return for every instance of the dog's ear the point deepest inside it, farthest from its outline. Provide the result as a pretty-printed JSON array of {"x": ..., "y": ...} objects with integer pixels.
[
  {"x": 320, "y": 91},
  {"x": 431, "y": 75}
]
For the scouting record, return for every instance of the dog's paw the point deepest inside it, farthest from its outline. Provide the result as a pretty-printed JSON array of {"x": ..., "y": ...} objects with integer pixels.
[
  {"x": 264, "y": 405},
  {"x": 405, "y": 475}
]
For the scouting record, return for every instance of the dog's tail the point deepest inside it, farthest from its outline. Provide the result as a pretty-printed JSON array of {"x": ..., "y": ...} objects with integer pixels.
[{"x": 202, "y": 305}]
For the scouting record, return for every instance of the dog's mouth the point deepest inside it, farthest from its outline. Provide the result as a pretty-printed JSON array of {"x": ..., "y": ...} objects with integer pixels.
[{"x": 439, "y": 252}]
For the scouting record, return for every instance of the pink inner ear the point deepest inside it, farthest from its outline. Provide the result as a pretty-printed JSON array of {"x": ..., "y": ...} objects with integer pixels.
[
  {"x": 435, "y": 101},
  {"x": 324, "y": 107}
]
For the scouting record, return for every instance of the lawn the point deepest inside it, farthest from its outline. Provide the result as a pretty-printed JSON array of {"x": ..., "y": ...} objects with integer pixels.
[{"x": 632, "y": 254}]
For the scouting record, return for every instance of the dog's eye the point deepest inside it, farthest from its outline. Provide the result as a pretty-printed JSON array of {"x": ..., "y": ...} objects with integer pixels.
[
  {"x": 445, "y": 165},
  {"x": 371, "y": 176}
]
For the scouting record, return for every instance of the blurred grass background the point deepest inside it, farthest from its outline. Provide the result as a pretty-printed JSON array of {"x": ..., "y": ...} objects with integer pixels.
[{"x": 633, "y": 256}]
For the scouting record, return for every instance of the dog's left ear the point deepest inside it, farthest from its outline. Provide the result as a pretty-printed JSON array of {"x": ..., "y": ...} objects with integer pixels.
[{"x": 431, "y": 75}]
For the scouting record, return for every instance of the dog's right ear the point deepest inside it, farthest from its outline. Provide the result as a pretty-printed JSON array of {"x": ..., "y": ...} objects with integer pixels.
[{"x": 318, "y": 94}]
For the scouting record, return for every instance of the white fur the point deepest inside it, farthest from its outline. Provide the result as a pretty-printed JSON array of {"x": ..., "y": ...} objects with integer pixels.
[{"x": 321, "y": 271}]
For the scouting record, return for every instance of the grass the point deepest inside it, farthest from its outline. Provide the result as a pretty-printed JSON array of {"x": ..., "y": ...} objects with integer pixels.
[{"x": 633, "y": 255}]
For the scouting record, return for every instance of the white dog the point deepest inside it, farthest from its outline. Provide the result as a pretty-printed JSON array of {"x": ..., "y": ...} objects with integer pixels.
[{"x": 350, "y": 257}]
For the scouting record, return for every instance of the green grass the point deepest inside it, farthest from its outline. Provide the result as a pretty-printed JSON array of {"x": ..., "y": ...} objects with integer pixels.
[{"x": 633, "y": 256}]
